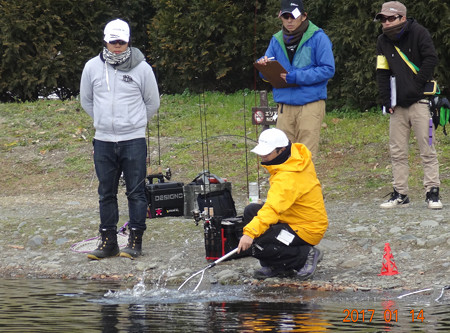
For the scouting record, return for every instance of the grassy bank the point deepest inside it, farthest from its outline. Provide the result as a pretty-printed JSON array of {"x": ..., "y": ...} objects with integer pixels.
[{"x": 46, "y": 146}]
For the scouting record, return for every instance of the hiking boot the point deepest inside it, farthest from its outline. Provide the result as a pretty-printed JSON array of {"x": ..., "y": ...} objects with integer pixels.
[
  {"x": 264, "y": 273},
  {"x": 108, "y": 246},
  {"x": 396, "y": 199},
  {"x": 309, "y": 269},
  {"x": 433, "y": 199},
  {"x": 268, "y": 272},
  {"x": 134, "y": 246}
]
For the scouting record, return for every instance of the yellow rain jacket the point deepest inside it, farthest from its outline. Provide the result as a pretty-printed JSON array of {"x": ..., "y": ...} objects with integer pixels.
[{"x": 294, "y": 197}]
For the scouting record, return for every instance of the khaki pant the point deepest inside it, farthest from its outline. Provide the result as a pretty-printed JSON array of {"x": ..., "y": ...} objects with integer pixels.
[
  {"x": 417, "y": 117},
  {"x": 302, "y": 123}
]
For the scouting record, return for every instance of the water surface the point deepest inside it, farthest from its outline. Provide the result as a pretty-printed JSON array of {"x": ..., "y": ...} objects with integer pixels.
[{"x": 80, "y": 306}]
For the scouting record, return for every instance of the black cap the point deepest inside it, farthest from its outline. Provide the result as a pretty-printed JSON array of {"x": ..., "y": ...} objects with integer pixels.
[{"x": 294, "y": 7}]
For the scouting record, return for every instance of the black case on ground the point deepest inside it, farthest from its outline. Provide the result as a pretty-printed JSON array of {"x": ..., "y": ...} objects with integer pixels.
[
  {"x": 204, "y": 183},
  {"x": 165, "y": 199},
  {"x": 221, "y": 201},
  {"x": 223, "y": 236}
]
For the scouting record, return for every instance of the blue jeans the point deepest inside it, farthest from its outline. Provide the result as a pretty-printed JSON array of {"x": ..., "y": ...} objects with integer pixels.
[{"x": 111, "y": 159}]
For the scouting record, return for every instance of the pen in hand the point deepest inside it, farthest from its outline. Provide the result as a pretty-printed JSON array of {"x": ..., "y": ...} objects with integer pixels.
[{"x": 264, "y": 60}]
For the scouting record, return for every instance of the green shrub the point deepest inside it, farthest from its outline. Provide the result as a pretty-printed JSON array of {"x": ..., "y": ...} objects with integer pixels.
[
  {"x": 196, "y": 45},
  {"x": 46, "y": 43}
]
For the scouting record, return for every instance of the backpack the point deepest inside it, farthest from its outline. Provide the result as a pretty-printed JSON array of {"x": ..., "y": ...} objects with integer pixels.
[{"x": 440, "y": 111}]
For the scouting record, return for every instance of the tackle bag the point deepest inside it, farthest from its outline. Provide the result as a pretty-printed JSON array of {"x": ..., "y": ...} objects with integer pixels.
[
  {"x": 440, "y": 111},
  {"x": 204, "y": 183},
  {"x": 221, "y": 202},
  {"x": 164, "y": 199},
  {"x": 223, "y": 236}
]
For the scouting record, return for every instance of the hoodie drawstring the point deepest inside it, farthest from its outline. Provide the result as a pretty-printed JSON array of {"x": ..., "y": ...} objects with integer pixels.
[{"x": 107, "y": 76}]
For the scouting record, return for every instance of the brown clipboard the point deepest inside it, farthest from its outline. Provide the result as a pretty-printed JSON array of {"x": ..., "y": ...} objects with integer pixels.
[{"x": 271, "y": 71}]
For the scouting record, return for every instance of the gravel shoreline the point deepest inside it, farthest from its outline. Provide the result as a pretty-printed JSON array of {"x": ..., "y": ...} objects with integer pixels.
[{"x": 38, "y": 230}]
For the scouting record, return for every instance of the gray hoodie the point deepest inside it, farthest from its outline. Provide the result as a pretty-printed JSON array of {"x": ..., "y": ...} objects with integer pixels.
[{"x": 120, "y": 99}]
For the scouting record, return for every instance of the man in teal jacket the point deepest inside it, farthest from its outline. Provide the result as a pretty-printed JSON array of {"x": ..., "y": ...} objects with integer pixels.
[{"x": 305, "y": 51}]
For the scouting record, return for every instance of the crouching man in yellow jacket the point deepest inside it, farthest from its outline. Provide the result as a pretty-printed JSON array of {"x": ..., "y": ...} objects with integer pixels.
[{"x": 283, "y": 231}]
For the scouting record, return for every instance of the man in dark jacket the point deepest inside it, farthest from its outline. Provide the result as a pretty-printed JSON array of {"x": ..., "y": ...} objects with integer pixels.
[{"x": 406, "y": 58}]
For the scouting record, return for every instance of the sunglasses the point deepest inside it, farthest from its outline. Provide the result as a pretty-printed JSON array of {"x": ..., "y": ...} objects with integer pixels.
[
  {"x": 383, "y": 19},
  {"x": 120, "y": 42},
  {"x": 287, "y": 16}
]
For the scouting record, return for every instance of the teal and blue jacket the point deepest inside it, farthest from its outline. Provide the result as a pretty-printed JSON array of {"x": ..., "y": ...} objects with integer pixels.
[{"x": 311, "y": 68}]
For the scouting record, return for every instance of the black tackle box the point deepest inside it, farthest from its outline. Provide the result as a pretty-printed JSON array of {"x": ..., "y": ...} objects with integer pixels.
[{"x": 165, "y": 199}]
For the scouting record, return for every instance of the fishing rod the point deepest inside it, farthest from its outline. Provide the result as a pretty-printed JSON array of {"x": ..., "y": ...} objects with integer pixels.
[
  {"x": 255, "y": 73},
  {"x": 205, "y": 146},
  {"x": 246, "y": 148},
  {"x": 159, "y": 174},
  {"x": 206, "y": 129},
  {"x": 158, "y": 140}
]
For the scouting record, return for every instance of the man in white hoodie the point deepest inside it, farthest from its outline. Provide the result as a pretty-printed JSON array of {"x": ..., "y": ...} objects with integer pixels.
[{"x": 119, "y": 91}]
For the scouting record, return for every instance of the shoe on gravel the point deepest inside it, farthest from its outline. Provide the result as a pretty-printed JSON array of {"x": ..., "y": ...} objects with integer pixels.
[
  {"x": 433, "y": 199},
  {"x": 264, "y": 273},
  {"x": 396, "y": 200},
  {"x": 309, "y": 269},
  {"x": 108, "y": 246},
  {"x": 134, "y": 246},
  {"x": 269, "y": 272}
]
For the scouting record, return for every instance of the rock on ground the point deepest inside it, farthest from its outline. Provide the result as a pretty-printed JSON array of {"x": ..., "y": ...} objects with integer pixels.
[{"x": 38, "y": 231}]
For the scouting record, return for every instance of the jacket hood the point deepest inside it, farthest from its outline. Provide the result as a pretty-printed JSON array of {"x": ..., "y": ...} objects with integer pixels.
[
  {"x": 135, "y": 59},
  {"x": 299, "y": 160},
  {"x": 409, "y": 23},
  {"x": 312, "y": 29}
]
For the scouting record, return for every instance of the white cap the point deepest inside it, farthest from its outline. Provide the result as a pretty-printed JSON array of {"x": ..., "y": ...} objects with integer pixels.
[
  {"x": 117, "y": 30},
  {"x": 269, "y": 140}
]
